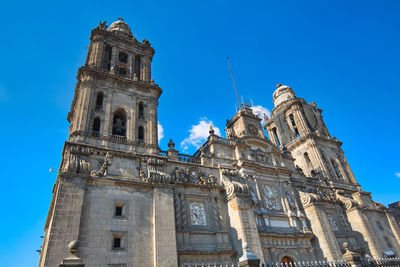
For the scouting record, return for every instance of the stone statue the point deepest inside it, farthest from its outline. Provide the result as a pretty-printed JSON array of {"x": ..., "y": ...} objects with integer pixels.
[{"x": 102, "y": 25}]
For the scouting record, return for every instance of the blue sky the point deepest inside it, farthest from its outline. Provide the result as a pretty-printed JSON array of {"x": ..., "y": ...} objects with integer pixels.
[{"x": 343, "y": 55}]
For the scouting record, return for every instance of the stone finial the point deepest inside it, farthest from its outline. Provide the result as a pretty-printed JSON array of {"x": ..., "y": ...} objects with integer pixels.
[
  {"x": 278, "y": 85},
  {"x": 211, "y": 131},
  {"x": 248, "y": 259},
  {"x": 350, "y": 256},
  {"x": 121, "y": 19},
  {"x": 72, "y": 260},
  {"x": 171, "y": 144}
]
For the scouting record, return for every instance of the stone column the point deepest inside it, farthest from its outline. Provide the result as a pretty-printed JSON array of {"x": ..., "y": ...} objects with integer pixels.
[
  {"x": 165, "y": 252},
  {"x": 113, "y": 62},
  {"x": 321, "y": 228},
  {"x": 359, "y": 222},
  {"x": 108, "y": 116}
]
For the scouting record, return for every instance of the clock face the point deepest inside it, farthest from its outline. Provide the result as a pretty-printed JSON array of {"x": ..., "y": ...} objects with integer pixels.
[
  {"x": 197, "y": 213},
  {"x": 311, "y": 118}
]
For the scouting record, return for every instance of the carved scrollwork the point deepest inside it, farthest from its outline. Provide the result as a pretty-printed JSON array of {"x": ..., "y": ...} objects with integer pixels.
[
  {"x": 103, "y": 169},
  {"x": 347, "y": 201},
  {"x": 307, "y": 198}
]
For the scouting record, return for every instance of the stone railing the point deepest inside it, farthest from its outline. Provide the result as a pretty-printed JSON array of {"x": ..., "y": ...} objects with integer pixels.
[
  {"x": 188, "y": 158},
  {"x": 118, "y": 137},
  {"x": 95, "y": 133},
  {"x": 162, "y": 153}
]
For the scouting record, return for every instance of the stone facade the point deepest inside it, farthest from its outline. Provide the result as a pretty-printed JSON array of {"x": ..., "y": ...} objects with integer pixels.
[{"x": 128, "y": 203}]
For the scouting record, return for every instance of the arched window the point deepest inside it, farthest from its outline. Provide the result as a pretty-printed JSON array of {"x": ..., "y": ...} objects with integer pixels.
[
  {"x": 141, "y": 134},
  {"x": 99, "y": 100},
  {"x": 287, "y": 261},
  {"x": 123, "y": 57},
  {"x": 119, "y": 123},
  {"x": 107, "y": 57},
  {"x": 296, "y": 131},
  {"x": 307, "y": 158},
  {"x": 137, "y": 67},
  {"x": 274, "y": 131},
  {"x": 96, "y": 127},
  {"x": 336, "y": 168},
  {"x": 141, "y": 110}
]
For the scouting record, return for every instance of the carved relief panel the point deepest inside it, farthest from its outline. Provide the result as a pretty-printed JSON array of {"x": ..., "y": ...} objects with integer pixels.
[
  {"x": 271, "y": 198},
  {"x": 197, "y": 213}
]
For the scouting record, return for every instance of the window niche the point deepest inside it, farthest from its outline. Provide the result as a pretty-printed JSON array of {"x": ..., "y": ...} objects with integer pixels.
[
  {"x": 118, "y": 241},
  {"x": 120, "y": 210},
  {"x": 99, "y": 101},
  {"x": 107, "y": 57},
  {"x": 141, "y": 110},
  {"x": 119, "y": 124},
  {"x": 123, "y": 57},
  {"x": 96, "y": 127},
  {"x": 141, "y": 134}
]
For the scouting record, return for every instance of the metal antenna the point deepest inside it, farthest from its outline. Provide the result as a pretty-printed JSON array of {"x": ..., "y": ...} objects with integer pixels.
[{"x": 234, "y": 85}]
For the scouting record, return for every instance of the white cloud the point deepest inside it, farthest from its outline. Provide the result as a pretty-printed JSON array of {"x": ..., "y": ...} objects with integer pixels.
[
  {"x": 199, "y": 133},
  {"x": 397, "y": 174},
  {"x": 259, "y": 111},
  {"x": 160, "y": 131}
]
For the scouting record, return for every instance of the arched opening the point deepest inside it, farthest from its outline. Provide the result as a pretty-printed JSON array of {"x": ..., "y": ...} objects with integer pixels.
[
  {"x": 296, "y": 131},
  {"x": 274, "y": 131},
  {"x": 123, "y": 57},
  {"x": 119, "y": 123},
  {"x": 141, "y": 134},
  {"x": 107, "y": 57},
  {"x": 141, "y": 110},
  {"x": 287, "y": 261},
  {"x": 99, "y": 100},
  {"x": 96, "y": 127},
  {"x": 137, "y": 67},
  {"x": 308, "y": 160},
  {"x": 336, "y": 169}
]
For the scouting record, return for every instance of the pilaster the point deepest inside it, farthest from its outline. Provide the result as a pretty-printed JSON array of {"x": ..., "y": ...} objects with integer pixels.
[{"x": 165, "y": 252}]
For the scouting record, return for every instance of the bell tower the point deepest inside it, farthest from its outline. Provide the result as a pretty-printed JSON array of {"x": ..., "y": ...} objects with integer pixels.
[
  {"x": 115, "y": 102},
  {"x": 299, "y": 127}
]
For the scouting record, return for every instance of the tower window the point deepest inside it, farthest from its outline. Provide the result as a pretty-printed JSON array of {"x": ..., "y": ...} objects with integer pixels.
[
  {"x": 122, "y": 70},
  {"x": 123, "y": 57},
  {"x": 140, "y": 133},
  {"x": 292, "y": 120},
  {"x": 276, "y": 137},
  {"x": 307, "y": 158},
  {"x": 137, "y": 67},
  {"x": 141, "y": 110},
  {"x": 96, "y": 127},
  {"x": 107, "y": 57},
  {"x": 336, "y": 168},
  {"x": 119, "y": 123},
  {"x": 99, "y": 100}
]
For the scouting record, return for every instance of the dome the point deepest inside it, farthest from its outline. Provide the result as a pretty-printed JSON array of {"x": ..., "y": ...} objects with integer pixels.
[
  {"x": 120, "y": 27},
  {"x": 283, "y": 93}
]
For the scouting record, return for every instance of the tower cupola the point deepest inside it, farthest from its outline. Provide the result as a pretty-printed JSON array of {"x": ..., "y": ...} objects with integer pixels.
[
  {"x": 283, "y": 93},
  {"x": 120, "y": 27}
]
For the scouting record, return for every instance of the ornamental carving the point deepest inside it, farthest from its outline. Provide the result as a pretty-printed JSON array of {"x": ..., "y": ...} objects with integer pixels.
[
  {"x": 197, "y": 213},
  {"x": 271, "y": 197},
  {"x": 104, "y": 167}
]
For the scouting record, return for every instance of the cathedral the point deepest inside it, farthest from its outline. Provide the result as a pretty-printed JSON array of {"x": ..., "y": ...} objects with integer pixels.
[{"x": 281, "y": 192}]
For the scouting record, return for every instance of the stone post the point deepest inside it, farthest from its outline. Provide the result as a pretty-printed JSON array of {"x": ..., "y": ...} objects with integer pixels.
[
  {"x": 172, "y": 153},
  {"x": 72, "y": 260},
  {"x": 248, "y": 259},
  {"x": 351, "y": 257}
]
